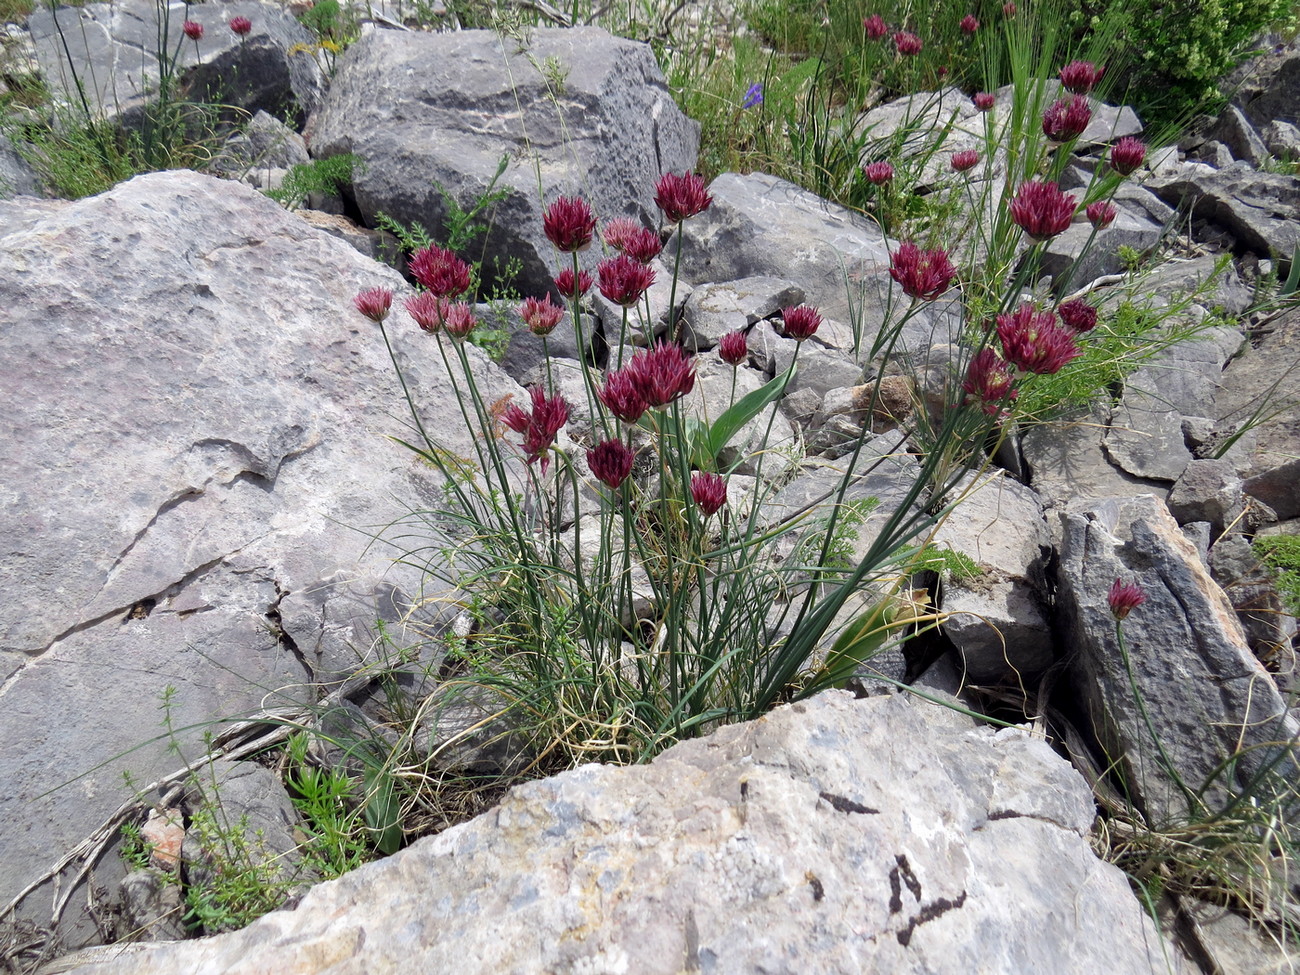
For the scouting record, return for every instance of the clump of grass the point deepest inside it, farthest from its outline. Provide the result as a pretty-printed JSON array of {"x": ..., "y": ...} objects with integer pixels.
[{"x": 1281, "y": 553}]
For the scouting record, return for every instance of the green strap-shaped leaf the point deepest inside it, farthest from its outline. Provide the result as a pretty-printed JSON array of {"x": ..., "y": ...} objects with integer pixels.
[{"x": 741, "y": 412}]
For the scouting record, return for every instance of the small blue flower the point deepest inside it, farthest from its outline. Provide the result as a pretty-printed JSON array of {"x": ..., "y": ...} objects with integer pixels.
[{"x": 754, "y": 96}]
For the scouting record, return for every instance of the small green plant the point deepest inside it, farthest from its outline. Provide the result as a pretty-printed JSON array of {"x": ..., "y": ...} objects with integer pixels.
[
  {"x": 329, "y": 176},
  {"x": 958, "y": 565},
  {"x": 134, "y": 851},
  {"x": 331, "y": 811},
  {"x": 241, "y": 880},
  {"x": 1281, "y": 553}
]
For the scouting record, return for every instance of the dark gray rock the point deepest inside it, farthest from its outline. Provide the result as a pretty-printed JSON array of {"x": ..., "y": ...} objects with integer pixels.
[
  {"x": 1235, "y": 131},
  {"x": 1270, "y": 629},
  {"x": 424, "y": 110},
  {"x": 1262, "y": 386},
  {"x": 112, "y": 48},
  {"x": 1203, "y": 692},
  {"x": 1145, "y": 436},
  {"x": 1279, "y": 488},
  {"x": 1071, "y": 266},
  {"x": 1209, "y": 491},
  {"x": 17, "y": 178},
  {"x": 761, "y": 225},
  {"x": 240, "y": 818},
  {"x": 1260, "y": 210},
  {"x": 818, "y": 369},
  {"x": 151, "y": 907},
  {"x": 1270, "y": 87}
]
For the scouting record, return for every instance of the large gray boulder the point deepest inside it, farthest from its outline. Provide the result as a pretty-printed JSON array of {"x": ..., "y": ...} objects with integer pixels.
[
  {"x": 108, "y": 51},
  {"x": 195, "y": 467},
  {"x": 761, "y": 225},
  {"x": 571, "y": 112},
  {"x": 1203, "y": 693},
  {"x": 832, "y": 836}
]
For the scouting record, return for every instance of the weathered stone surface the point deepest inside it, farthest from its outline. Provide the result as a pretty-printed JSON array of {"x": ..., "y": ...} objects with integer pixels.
[
  {"x": 1279, "y": 488},
  {"x": 761, "y": 225},
  {"x": 423, "y": 110},
  {"x": 1270, "y": 86},
  {"x": 196, "y": 461},
  {"x": 1072, "y": 267},
  {"x": 1234, "y": 130},
  {"x": 265, "y": 143},
  {"x": 16, "y": 176},
  {"x": 1067, "y": 461},
  {"x": 1270, "y": 629},
  {"x": 1260, "y": 210},
  {"x": 1263, "y": 384},
  {"x": 113, "y": 53},
  {"x": 716, "y": 309},
  {"x": 1145, "y": 437},
  {"x": 1209, "y": 491},
  {"x": 996, "y": 620},
  {"x": 941, "y": 847},
  {"x": 1203, "y": 692}
]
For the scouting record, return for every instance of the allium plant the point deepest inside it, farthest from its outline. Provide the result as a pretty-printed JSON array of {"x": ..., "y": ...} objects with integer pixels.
[{"x": 622, "y": 599}]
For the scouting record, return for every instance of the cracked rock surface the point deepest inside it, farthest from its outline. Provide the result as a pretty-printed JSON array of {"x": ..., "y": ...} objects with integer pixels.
[
  {"x": 195, "y": 458},
  {"x": 833, "y": 836}
]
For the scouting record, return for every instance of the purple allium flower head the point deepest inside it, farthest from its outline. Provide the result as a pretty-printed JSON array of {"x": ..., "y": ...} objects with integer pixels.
[
  {"x": 565, "y": 284},
  {"x": 1032, "y": 341},
  {"x": 907, "y": 43},
  {"x": 801, "y": 322},
  {"x": 618, "y": 232},
  {"x": 988, "y": 382},
  {"x": 622, "y": 395},
  {"x": 681, "y": 197},
  {"x": 623, "y": 280},
  {"x": 878, "y": 173},
  {"x": 569, "y": 224},
  {"x": 1081, "y": 77},
  {"x": 709, "y": 492},
  {"x": 241, "y": 25},
  {"x": 922, "y": 274},
  {"x": 734, "y": 348},
  {"x": 459, "y": 320},
  {"x": 428, "y": 310},
  {"x": 1078, "y": 315},
  {"x": 983, "y": 100},
  {"x": 1008, "y": 9},
  {"x": 969, "y": 24},
  {"x": 644, "y": 246},
  {"x": 611, "y": 462},
  {"x": 1066, "y": 119},
  {"x": 539, "y": 426},
  {"x": 192, "y": 30},
  {"x": 1101, "y": 214},
  {"x": 663, "y": 374},
  {"x": 440, "y": 271},
  {"x": 964, "y": 160},
  {"x": 1124, "y": 597},
  {"x": 374, "y": 303},
  {"x": 1041, "y": 209},
  {"x": 875, "y": 27},
  {"x": 541, "y": 315},
  {"x": 754, "y": 96},
  {"x": 1127, "y": 154}
]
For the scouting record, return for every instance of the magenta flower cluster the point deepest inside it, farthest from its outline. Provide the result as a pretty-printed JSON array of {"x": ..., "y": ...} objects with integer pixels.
[
  {"x": 610, "y": 461},
  {"x": 1124, "y": 597},
  {"x": 569, "y": 224},
  {"x": 538, "y": 426},
  {"x": 1067, "y": 118},
  {"x": 651, "y": 379},
  {"x": 923, "y": 274},
  {"x": 681, "y": 197},
  {"x": 439, "y": 271},
  {"x": 1042, "y": 209},
  {"x": 1033, "y": 341}
]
